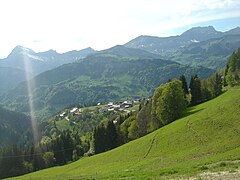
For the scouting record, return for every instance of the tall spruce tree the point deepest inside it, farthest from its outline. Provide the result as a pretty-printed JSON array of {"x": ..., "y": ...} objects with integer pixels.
[
  {"x": 195, "y": 89},
  {"x": 217, "y": 85},
  {"x": 184, "y": 84},
  {"x": 111, "y": 136}
]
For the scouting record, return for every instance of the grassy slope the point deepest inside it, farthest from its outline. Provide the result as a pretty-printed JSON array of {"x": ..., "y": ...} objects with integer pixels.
[{"x": 208, "y": 134}]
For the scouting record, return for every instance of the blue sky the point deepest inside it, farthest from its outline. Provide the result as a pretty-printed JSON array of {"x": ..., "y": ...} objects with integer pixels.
[{"x": 65, "y": 25}]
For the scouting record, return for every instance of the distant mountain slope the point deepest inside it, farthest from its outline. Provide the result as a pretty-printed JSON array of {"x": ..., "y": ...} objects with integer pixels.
[
  {"x": 15, "y": 128},
  {"x": 169, "y": 47},
  {"x": 22, "y": 61},
  {"x": 123, "y": 52},
  {"x": 102, "y": 77},
  {"x": 166, "y": 46},
  {"x": 23, "y": 58},
  {"x": 10, "y": 77},
  {"x": 212, "y": 53},
  {"x": 207, "y": 139}
]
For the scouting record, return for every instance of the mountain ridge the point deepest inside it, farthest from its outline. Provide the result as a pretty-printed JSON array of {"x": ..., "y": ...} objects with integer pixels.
[
  {"x": 31, "y": 63},
  {"x": 171, "y": 47},
  {"x": 100, "y": 77}
]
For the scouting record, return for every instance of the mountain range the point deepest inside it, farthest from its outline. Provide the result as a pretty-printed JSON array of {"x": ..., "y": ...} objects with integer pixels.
[
  {"x": 130, "y": 71},
  {"x": 108, "y": 75},
  {"x": 196, "y": 46},
  {"x": 23, "y": 63}
]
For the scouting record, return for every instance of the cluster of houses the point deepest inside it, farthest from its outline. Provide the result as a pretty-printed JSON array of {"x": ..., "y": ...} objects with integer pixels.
[
  {"x": 74, "y": 111},
  {"x": 119, "y": 106},
  {"x": 110, "y": 107}
]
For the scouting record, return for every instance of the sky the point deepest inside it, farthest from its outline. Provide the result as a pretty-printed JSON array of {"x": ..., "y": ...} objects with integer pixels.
[{"x": 65, "y": 25}]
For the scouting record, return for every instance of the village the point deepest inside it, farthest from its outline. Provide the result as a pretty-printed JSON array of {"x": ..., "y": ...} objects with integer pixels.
[{"x": 118, "y": 107}]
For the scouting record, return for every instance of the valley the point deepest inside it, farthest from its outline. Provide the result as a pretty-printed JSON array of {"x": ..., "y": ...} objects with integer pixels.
[
  {"x": 155, "y": 107},
  {"x": 102, "y": 77}
]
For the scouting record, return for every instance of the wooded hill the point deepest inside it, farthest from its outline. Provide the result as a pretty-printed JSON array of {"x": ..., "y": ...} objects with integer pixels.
[{"x": 111, "y": 75}]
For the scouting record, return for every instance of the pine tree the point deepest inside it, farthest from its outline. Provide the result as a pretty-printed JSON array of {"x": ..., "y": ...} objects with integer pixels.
[
  {"x": 195, "y": 89},
  {"x": 217, "y": 85},
  {"x": 111, "y": 136},
  {"x": 99, "y": 139},
  {"x": 184, "y": 84}
]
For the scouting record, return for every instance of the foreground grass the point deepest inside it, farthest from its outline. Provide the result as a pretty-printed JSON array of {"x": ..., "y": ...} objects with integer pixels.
[{"x": 206, "y": 139}]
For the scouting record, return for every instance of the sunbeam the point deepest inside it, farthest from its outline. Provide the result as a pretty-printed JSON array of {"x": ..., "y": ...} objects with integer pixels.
[{"x": 30, "y": 88}]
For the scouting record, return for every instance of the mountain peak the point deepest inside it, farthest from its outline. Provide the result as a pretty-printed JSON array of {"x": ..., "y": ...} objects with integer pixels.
[
  {"x": 50, "y": 52},
  {"x": 201, "y": 33},
  {"x": 21, "y": 50},
  {"x": 194, "y": 30}
]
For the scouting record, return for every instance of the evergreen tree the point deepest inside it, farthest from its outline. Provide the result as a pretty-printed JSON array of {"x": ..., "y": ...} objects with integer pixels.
[
  {"x": 217, "y": 85},
  {"x": 195, "y": 89},
  {"x": 111, "y": 136},
  {"x": 184, "y": 84},
  {"x": 233, "y": 69},
  {"x": 225, "y": 74},
  {"x": 67, "y": 145},
  {"x": 99, "y": 139},
  {"x": 11, "y": 162},
  {"x": 38, "y": 161},
  {"x": 58, "y": 149}
]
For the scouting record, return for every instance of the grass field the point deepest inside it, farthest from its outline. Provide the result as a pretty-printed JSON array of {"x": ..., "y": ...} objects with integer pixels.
[{"x": 206, "y": 139}]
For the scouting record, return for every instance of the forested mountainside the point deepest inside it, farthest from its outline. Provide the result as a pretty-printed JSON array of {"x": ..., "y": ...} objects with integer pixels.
[
  {"x": 105, "y": 76},
  {"x": 15, "y": 128}
]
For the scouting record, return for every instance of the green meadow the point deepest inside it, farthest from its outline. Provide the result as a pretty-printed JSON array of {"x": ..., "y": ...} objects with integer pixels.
[{"x": 206, "y": 139}]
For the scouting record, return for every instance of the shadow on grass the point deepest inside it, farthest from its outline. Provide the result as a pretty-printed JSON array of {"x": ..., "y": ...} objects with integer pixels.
[{"x": 191, "y": 110}]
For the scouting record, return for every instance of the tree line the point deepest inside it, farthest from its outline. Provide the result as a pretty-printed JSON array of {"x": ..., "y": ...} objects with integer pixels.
[
  {"x": 66, "y": 147},
  {"x": 232, "y": 71}
]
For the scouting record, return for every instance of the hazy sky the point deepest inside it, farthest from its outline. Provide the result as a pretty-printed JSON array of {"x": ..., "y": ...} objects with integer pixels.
[{"x": 65, "y": 25}]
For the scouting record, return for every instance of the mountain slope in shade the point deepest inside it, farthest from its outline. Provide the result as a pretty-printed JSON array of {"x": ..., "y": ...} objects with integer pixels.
[
  {"x": 15, "y": 128},
  {"x": 213, "y": 53},
  {"x": 11, "y": 77},
  {"x": 101, "y": 77},
  {"x": 206, "y": 139}
]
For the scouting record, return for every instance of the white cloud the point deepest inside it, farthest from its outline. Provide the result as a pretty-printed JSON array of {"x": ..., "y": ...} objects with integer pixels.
[{"x": 75, "y": 24}]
